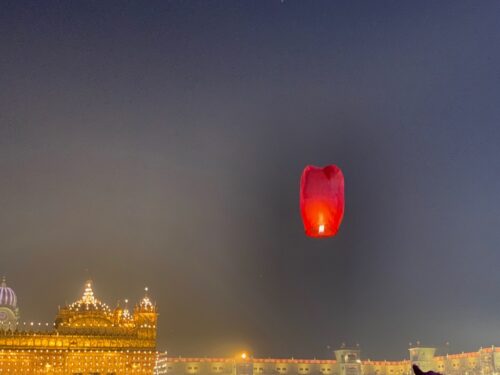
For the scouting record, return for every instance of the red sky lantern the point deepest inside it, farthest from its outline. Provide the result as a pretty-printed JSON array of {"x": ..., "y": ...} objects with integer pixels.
[{"x": 322, "y": 200}]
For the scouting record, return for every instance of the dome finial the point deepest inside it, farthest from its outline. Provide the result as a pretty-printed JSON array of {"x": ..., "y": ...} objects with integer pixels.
[
  {"x": 88, "y": 295},
  {"x": 146, "y": 302},
  {"x": 4, "y": 281},
  {"x": 126, "y": 313}
]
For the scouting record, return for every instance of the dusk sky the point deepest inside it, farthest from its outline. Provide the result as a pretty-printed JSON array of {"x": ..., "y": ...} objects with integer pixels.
[{"x": 161, "y": 143}]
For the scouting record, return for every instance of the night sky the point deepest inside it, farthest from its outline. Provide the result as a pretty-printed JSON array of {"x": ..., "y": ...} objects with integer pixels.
[{"x": 161, "y": 144}]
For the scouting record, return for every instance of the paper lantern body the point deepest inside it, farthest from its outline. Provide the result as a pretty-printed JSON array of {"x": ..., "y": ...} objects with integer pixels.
[{"x": 322, "y": 200}]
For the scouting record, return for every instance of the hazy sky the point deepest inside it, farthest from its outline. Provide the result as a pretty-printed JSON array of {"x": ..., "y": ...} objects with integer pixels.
[{"x": 161, "y": 144}]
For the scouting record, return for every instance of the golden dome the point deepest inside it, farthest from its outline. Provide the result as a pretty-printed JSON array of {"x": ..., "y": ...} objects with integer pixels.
[
  {"x": 88, "y": 314},
  {"x": 89, "y": 302}
]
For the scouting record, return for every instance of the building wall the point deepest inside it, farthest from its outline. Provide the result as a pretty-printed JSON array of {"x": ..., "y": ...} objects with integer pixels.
[
  {"x": 253, "y": 366},
  {"x": 53, "y": 353},
  {"x": 52, "y": 340},
  {"x": 484, "y": 362},
  {"x": 109, "y": 362}
]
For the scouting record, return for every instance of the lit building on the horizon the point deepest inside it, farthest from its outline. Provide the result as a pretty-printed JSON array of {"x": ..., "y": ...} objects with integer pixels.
[
  {"x": 486, "y": 361},
  {"x": 87, "y": 337}
]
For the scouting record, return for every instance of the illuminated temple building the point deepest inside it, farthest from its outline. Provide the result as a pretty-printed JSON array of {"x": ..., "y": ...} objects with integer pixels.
[
  {"x": 90, "y": 338},
  {"x": 87, "y": 337}
]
